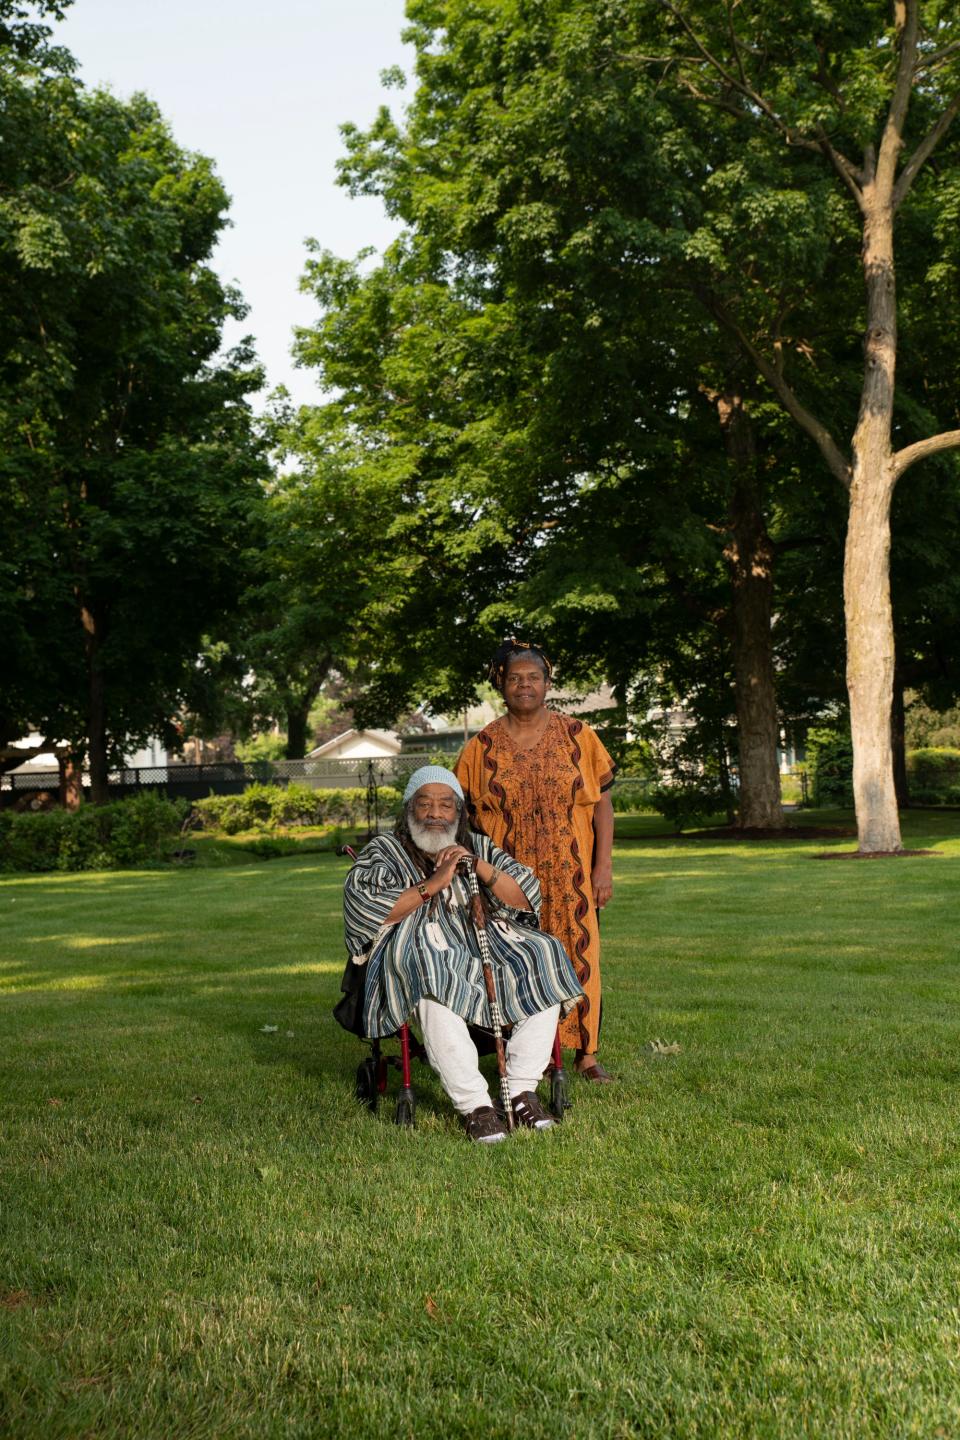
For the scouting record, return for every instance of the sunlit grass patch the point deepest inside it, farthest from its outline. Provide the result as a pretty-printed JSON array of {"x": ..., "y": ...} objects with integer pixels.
[{"x": 753, "y": 1233}]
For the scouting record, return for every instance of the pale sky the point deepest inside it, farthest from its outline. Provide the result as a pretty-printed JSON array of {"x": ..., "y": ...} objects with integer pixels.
[{"x": 261, "y": 89}]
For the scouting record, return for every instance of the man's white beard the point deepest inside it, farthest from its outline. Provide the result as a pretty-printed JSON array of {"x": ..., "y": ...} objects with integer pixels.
[{"x": 431, "y": 838}]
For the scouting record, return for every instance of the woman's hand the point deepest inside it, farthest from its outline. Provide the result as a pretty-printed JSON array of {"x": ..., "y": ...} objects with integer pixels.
[{"x": 602, "y": 883}]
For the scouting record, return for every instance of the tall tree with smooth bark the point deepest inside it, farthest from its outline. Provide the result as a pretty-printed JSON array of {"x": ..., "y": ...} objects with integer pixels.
[{"x": 868, "y": 95}]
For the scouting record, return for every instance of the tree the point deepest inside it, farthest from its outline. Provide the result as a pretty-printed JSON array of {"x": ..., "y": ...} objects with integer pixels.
[
  {"x": 523, "y": 170},
  {"x": 869, "y": 103},
  {"x": 764, "y": 157},
  {"x": 130, "y": 463},
  {"x": 323, "y": 565}
]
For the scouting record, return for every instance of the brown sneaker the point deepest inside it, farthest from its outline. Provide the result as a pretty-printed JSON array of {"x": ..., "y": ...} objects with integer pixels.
[
  {"x": 484, "y": 1125},
  {"x": 529, "y": 1112}
]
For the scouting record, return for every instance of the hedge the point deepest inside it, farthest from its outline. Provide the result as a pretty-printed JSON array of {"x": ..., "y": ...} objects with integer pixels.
[
  {"x": 273, "y": 807},
  {"x": 138, "y": 831},
  {"x": 689, "y": 804},
  {"x": 934, "y": 775},
  {"x": 632, "y": 794}
]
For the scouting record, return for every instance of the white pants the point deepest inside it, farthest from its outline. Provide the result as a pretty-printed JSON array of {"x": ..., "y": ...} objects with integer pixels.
[{"x": 453, "y": 1054}]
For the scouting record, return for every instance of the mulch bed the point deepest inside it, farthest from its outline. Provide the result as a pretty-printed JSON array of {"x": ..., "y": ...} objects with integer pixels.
[{"x": 871, "y": 855}]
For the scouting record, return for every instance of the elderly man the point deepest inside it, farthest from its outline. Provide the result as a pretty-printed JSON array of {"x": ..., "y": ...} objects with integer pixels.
[{"x": 406, "y": 911}]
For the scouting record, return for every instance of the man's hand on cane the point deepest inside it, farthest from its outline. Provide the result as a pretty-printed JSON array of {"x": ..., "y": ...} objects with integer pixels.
[{"x": 447, "y": 860}]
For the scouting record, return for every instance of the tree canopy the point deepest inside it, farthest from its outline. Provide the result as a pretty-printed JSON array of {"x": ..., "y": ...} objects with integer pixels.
[
  {"x": 130, "y": 466},
  {"x": 620, "y": 214}
]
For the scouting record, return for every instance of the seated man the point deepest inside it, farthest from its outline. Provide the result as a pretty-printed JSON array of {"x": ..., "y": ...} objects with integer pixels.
[{"x": 406, "y": 906}]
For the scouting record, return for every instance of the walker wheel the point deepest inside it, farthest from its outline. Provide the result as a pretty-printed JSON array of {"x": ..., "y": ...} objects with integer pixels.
[
  {"x": 559, "y": 1094},
  {"x": 366, "y": 1089}
]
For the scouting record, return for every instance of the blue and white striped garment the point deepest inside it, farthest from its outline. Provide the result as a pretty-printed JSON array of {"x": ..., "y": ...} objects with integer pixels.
[{"x": 437, "y": 954}]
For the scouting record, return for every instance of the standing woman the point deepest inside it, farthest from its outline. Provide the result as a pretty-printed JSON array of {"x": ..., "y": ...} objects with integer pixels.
[{"x": 537, "y": 783}]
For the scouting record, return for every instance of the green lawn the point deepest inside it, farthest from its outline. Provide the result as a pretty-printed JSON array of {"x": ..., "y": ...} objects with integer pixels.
[{"x": 203, "y": 1236}]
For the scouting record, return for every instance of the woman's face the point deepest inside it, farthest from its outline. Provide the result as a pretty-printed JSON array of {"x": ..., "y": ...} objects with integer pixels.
[{"x": 524, "y": 686}]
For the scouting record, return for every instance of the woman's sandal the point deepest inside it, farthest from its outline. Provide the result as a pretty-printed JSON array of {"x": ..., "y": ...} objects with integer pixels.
[{"x": 596, "y": 1074}]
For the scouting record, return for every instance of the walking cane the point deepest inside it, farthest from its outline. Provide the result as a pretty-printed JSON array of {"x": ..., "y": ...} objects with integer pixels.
[{"x": 479, "y": 918}]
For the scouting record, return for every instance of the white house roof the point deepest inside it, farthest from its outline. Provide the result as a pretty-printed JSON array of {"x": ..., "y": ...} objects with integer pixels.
[{"x": 359, "y": 742}]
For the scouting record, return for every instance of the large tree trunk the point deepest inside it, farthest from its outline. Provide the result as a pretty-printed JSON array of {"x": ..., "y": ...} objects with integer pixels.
[
  {"x": 749, "y": 557},
  {"x": 71, "y": 780},
  {"x": 96, "y": 711},
  {"x": 866, "y": 568},
  {"x": 299, "y": 706},
  {"x": 869, "y": 625},
  {"x": 297, "y": 716}
]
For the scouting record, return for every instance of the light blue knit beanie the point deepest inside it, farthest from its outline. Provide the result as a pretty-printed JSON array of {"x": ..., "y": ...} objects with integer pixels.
[{"x": 431, "y": 775}]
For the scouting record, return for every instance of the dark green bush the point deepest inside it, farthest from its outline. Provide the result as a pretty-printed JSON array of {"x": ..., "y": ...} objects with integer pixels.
[
  {"x": 32, "y": 842},
  {"x": 689, "y": 803},
  {"x": 222, "y": 812},
  {"x": 137, "y": 831},
  {"x": 830, "y": 766},
  {"x": 296, "y": 805},
  {"x": 934, "y": 770},
  {"x": 924, "y": 795},
  {"x": 274, "y": 807},
  {"x": 632, "y": 794},
  {"x": 258, "y": 803}
]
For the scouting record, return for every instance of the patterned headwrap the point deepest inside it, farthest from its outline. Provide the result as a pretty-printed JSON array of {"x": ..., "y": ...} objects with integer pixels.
[{"x": 509, "y": 648}]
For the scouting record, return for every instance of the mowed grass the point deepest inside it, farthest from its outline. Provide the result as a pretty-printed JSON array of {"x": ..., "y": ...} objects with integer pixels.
[{"x": 203, "y": 1235}]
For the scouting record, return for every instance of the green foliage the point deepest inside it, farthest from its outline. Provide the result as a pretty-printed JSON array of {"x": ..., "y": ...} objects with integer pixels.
[
  {"x": 616, "y": 218},
  {"x": 926, "y": 726},
  {"x": 273, "y": 807},
  {"x": 830, "y": 766},
  {"x": 136, "y": 831},
  {"x": 690, "y": 803},
  {"x": 632, "y": 794},
  {"x": 934, "y": 775},
  {"x": 262, "y": 747},
  {"x": 130, "y": 463}
]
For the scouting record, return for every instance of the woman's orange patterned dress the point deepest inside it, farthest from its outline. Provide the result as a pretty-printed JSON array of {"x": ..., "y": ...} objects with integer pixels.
[{"x": 538, "y": 805}]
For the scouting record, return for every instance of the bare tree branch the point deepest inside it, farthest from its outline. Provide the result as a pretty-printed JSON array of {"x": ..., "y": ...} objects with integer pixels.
[
  {"x": 924, "y": 150},
  {"x": 849, "y": 174},
  {"x": 910, "y": 454},
  {"x": 831, "y": 452}
]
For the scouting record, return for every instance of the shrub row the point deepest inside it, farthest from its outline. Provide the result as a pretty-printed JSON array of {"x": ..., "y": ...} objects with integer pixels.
[
  {"x": 272, "y": 807},
  {"x": 689, "y": 804},
  {"x": 137, "y": 831},
  {"x": 934, "y": 772},
  {"x": 631, "y": 794}
]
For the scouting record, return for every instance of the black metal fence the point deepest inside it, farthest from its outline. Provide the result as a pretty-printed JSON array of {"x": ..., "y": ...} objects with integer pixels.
[{"x": 193, "y": 782}]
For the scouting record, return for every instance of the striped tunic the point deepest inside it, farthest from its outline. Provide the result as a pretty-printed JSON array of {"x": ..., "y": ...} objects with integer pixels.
[{"x": 437, "y": 955}]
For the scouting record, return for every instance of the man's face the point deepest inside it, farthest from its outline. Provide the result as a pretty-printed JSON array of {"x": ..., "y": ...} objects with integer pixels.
[{"x": 432, "y": 817}]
